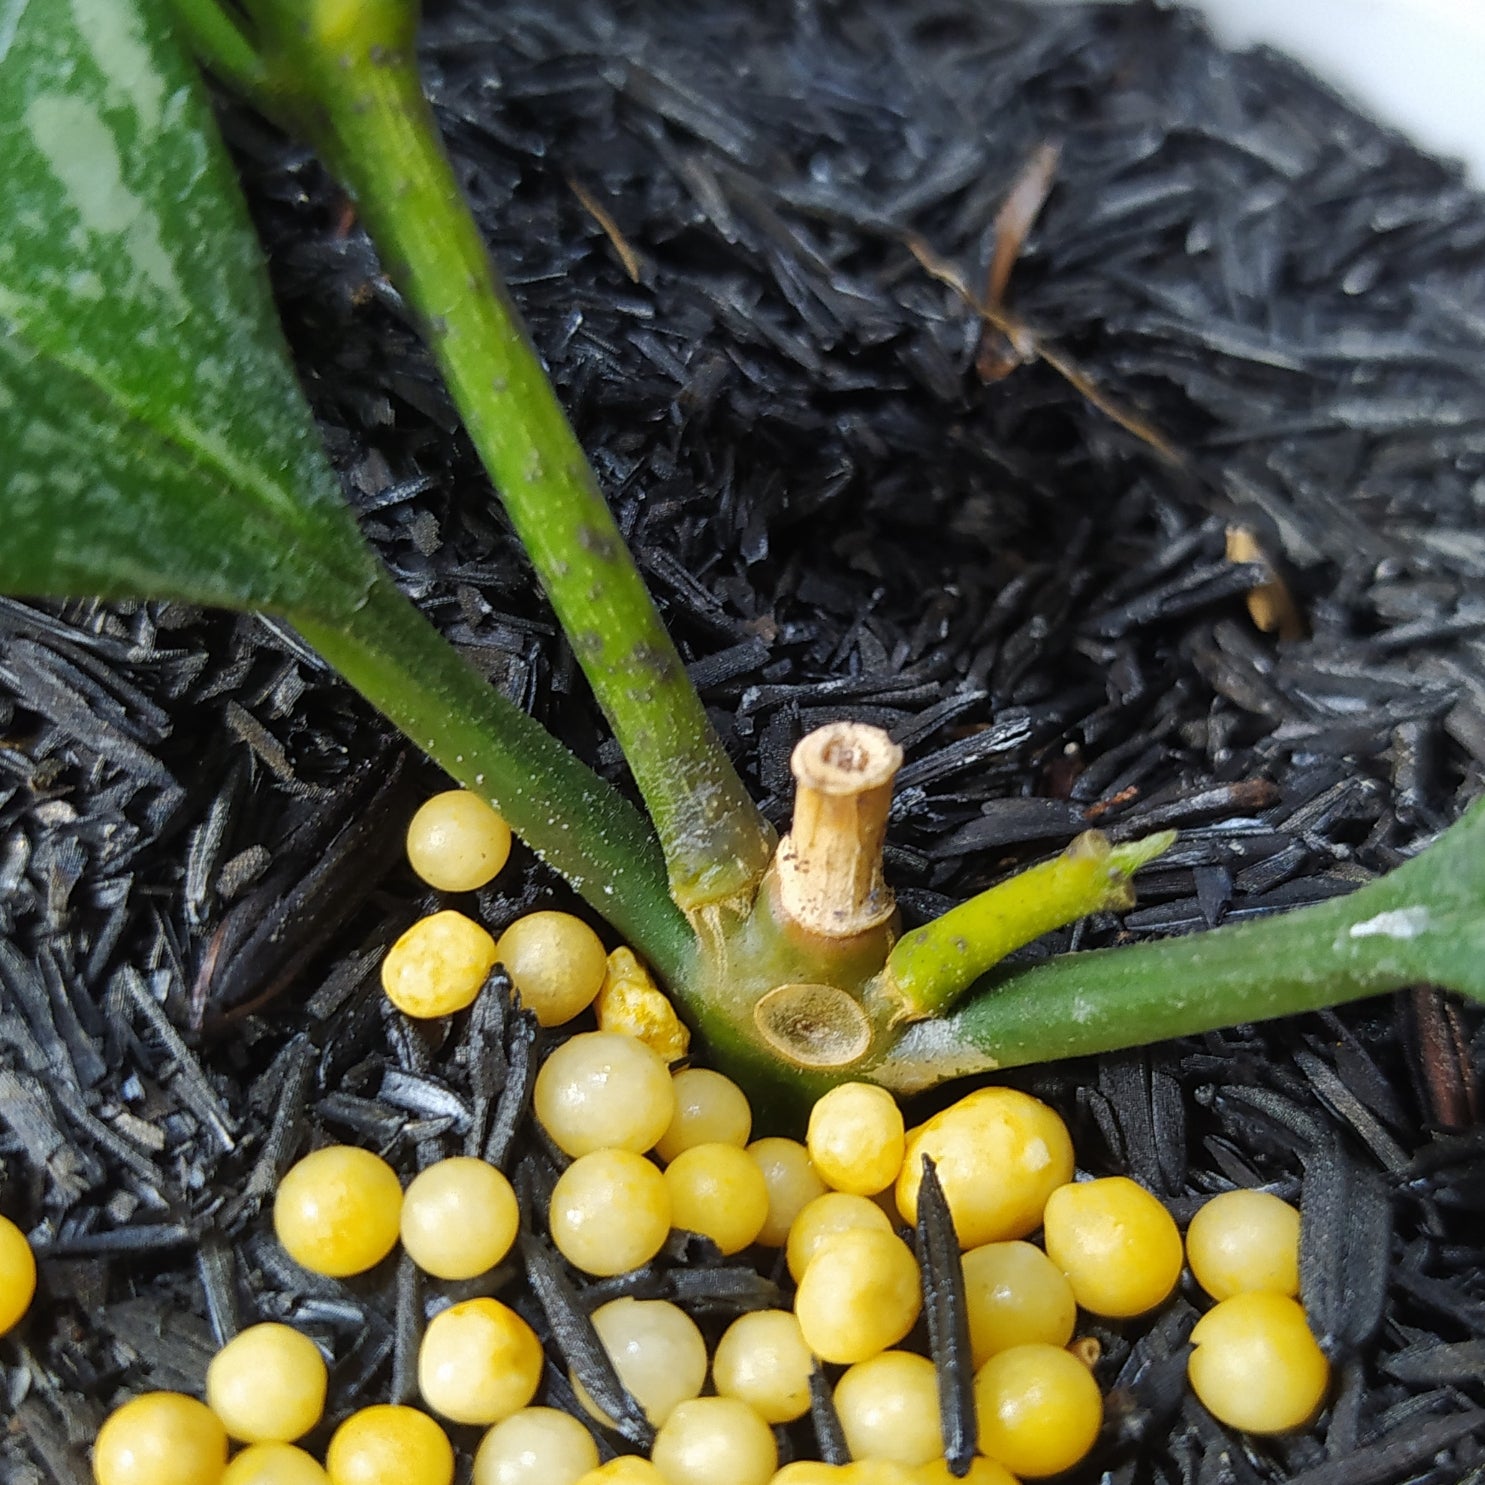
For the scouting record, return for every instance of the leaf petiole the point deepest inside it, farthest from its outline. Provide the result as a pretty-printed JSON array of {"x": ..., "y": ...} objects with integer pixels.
[
  {"x": 1423, "y": 923},
  {"x": 574, "y": 821},
  {"x": 212, "y": 32},
  {"x": 931, "y": 967}
]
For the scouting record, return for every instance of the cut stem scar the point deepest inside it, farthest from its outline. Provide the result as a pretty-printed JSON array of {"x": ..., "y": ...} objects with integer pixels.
[
  {"x": 829, "y": 866},
  {"x": 816, "y": 1027}
]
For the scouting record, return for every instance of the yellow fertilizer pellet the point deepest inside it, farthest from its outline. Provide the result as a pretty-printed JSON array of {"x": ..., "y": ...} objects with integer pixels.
[{"x": 438, "y": 965}]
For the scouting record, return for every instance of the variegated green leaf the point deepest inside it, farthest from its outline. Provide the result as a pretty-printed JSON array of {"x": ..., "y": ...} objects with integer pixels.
[{"x": 153, "y": 439}]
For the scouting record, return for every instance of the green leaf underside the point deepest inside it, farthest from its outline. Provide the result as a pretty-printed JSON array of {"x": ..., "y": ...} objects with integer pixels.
[{"x": 153, "y": 440}]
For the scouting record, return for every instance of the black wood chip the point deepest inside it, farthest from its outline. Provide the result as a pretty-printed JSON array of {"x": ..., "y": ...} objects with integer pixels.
[
  {"x": 830, "y": 1437},
  {"x": 947, "y": 1314},
  {"x": 577, "y": 1342}
]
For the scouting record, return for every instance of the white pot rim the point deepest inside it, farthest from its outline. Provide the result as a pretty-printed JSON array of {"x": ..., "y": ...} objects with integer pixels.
[{"x": 1418, "y": 65}]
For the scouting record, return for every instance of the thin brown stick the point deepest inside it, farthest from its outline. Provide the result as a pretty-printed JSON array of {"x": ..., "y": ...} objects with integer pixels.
[
  {"x": 633, "y": 263},
  {"x": 1030, "y": 346},
  {"x": 996, "y": 357}
]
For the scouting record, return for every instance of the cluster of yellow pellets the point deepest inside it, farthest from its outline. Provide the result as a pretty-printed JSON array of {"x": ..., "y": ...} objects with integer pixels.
[
  {"x": 557, "y": 964},
  {"x": 652, "y": 1150},
  {"x": 339, "y": 1212},
  {"x": 835, "y": 1204}
]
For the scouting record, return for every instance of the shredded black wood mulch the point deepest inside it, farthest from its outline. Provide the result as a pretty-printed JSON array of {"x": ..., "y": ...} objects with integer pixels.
[{"x": 199, "y": 863}]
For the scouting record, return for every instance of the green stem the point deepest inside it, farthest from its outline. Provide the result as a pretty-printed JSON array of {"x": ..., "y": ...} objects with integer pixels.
[
  {"x": 1421, "y": 924},
  {"x": 573, "y": 820},
  {"x": 931, "y": 967},
  {"x": 354, "y": 60},
  {"x": 214, "y": 36}
]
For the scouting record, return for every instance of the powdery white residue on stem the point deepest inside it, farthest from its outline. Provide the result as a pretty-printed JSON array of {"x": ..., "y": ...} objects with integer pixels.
[
  {"x": 1397, "y": 923},
  {"x": 927, "y": 1053}
]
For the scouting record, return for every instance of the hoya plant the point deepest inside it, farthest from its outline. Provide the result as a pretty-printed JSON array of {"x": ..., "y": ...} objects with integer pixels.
[{"x": 154, "y": 443}]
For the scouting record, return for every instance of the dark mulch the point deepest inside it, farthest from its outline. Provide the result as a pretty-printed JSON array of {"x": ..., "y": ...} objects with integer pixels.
[{"x": 199, "y": 861}]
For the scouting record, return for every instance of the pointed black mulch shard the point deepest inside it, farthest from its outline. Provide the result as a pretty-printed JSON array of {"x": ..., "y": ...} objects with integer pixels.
[
  {"x": 948, "y": 1322},
  {"x": 407, "y": 1331},
  {"x": 523, "y": 1057},
  {"x": 578, "y": 1343},
  {"x": 830, "y": 1437},
  {"x": 481, "y": 1055}
]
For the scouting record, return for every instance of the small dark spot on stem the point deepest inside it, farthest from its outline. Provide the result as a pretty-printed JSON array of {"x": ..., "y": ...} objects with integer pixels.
[
  {"x": 602, "y": 544},
  {"x": 645, "y": 656}
]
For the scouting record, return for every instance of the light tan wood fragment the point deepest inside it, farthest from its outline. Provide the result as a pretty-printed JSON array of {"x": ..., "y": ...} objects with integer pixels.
[
  {"x": 829, "y": 866},
  {"x": 1270, "y": 605}
]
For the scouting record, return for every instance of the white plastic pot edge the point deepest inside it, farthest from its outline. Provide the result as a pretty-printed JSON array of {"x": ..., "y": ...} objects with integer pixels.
[{"x": 1418, "y": 65}]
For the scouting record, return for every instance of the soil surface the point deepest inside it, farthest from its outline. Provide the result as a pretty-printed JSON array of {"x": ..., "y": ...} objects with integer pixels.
[{"x": 851, "y": 501}]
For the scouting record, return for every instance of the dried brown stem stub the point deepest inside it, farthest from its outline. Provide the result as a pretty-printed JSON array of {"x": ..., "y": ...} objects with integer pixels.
[{"x": 829, "y": 866}]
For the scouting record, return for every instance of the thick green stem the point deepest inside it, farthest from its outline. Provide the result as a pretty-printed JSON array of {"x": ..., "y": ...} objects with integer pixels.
[
  {"x": 354, "y": 60},
  {"x": 1423, "y": 923},
  {"x": 931, "y": 967},
  {"x": 566, "y": 813}
]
